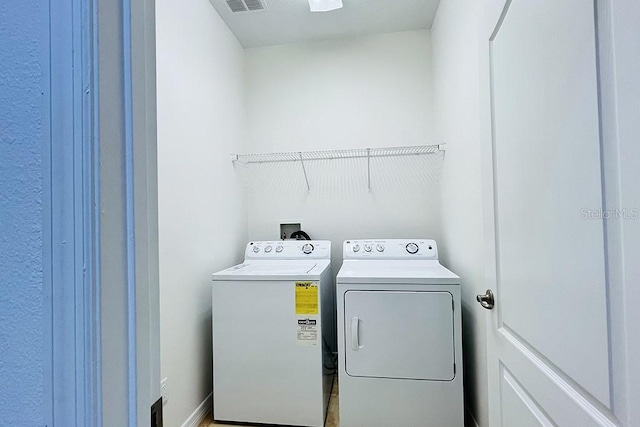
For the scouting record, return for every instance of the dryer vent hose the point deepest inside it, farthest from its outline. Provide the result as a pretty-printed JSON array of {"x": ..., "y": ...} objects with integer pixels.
[{"x": 300, "y": 235}]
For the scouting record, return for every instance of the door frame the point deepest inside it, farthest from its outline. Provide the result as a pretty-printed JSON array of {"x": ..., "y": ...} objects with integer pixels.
[
  {"x": 619, "y": 99},
  {"x": 100, "y": 213},
  {"x": 71, "y": 256}
]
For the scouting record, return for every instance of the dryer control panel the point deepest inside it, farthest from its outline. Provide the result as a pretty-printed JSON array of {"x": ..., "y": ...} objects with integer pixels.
[
  {"x": 423, "y": 249},
  {"x": 288, "y": 249}
]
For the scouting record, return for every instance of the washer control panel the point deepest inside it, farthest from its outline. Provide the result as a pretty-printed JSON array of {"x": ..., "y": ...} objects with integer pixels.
[
  {"x": 390, "y": 249},
  {"x": 288, "y": 249}
]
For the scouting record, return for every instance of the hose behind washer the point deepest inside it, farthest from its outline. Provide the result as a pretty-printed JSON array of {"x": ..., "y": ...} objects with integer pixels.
[{"x": 300, "y": 235}]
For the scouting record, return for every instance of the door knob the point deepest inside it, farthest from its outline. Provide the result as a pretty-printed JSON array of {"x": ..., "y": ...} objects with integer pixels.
[{"x": 486, "y": 300}]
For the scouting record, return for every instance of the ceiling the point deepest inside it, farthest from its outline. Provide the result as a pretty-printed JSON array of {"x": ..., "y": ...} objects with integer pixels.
[{"x": 290, "y": 21}]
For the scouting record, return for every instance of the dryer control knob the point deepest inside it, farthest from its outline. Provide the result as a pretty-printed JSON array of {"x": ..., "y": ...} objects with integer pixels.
[
  {"x": 279, "y": 248},
  {"x": 367, "y": 248},
  {"x": 356, "y": 248},
  {"x": 307, "y": 248},
  {"x": 380, "y": 248},
  {"x": 268, "y": 248},
  {"x": 256, "y": 249},
  {"x": 412, "y": 248}
]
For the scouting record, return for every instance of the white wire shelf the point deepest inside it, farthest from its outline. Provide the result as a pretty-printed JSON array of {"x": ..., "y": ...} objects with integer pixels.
[
  {"x": 324, "y": 155},
  {"x": 355, "y": 153}
]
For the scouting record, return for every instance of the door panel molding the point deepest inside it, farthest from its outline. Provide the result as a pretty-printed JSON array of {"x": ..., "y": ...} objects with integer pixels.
[
  {"x": 508, "y": 380},
  {"x": 549, "y": 369},
  {"x": 531, "y": 369}
]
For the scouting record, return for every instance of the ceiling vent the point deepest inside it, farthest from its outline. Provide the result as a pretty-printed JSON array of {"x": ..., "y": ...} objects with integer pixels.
[{"x": 246, "y": 5}]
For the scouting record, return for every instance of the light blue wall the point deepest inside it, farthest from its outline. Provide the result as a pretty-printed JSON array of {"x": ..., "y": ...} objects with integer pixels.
[{"x": 23, "y": 46}]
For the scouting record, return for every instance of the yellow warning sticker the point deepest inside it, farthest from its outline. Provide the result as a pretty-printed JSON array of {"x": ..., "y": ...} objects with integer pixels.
[{"x": 306, "y": 297}]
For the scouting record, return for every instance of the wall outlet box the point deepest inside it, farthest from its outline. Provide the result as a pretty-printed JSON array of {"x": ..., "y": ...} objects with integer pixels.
[
  {"x": 287, "y": 227},
  {"x": 163, "y": 391}
]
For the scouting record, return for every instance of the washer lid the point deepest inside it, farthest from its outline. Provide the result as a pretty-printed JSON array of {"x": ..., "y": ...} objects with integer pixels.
[
  {"x": 274, "y": 270},
  {"x": 396, "y": 271}
]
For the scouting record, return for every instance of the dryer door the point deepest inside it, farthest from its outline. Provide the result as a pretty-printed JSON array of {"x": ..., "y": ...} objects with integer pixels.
[{"x": 399, "y": 334}]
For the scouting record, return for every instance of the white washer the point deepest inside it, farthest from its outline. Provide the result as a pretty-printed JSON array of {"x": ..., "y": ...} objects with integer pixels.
[
  {"x": 271, "y": 363},
  {"x": 399, "y": 336}
]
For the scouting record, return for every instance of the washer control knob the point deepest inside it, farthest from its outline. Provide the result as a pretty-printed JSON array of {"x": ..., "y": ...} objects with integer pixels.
[
  {"x": 307, "y": 248},
  {"x": 412, "y": 248},
  {"x": 279, "y": 248},
  {"x": 356, "y": 247},
  {"x": 380, "y": 248},
  {"x": 256, "y": 249},
  {"x": 268, "y": 248},
  {"x": 367, "y": 248}
]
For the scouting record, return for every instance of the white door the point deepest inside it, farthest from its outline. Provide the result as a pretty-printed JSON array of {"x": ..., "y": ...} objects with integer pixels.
[
  {"x": 403, "y": 334},
  {"x": 549, "y": 342}
]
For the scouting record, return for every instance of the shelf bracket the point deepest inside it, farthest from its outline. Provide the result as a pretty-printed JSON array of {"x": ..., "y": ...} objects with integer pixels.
[
  {"x": 369, "y": 168},
  {"x": 304, "y": 170}
]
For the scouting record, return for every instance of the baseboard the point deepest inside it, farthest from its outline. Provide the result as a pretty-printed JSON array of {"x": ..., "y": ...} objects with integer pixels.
[
  {"x": 200, "y": 413},
  {"x": 469, "y": 419}
]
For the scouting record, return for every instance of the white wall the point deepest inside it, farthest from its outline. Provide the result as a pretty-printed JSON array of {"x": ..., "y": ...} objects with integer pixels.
[
  {"x": 202, "y": 212},
  {"x": 456, "y": 82},
  {"x": 372, "y": 91}
]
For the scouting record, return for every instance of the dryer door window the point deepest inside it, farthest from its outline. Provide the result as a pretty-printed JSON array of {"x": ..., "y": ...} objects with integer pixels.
[{"x": 403, "y": 335}]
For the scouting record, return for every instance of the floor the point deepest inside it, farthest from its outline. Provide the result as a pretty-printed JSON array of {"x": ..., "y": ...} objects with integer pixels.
[{"x": 332, "y": 420}]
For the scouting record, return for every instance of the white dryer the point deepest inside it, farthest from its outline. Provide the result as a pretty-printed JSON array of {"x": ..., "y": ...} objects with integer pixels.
[
  {"x": 271, "y": 363},
  {"x": 399, "y": 336}
]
